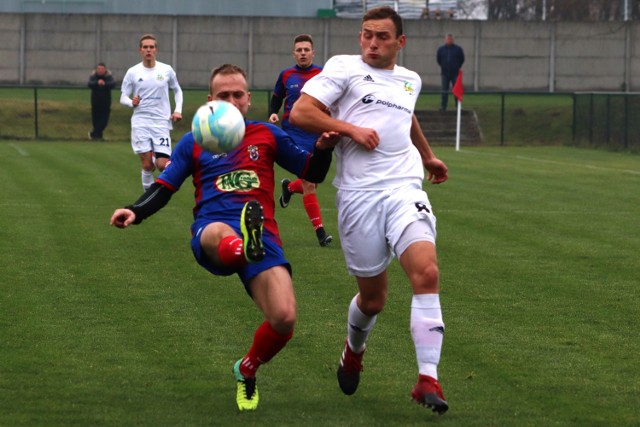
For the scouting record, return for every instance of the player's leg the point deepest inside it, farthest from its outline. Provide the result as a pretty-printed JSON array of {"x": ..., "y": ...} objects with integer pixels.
[
  {"x": 289, "y": 188},
  {"x": 444, "y": 80},
  {"x": 312, "y": 207},
  {"x": 161, "y": 141},
  {"x": 142, "y": 146},
  {"x": 272, "y": 292},
  {"x": 225, "y": 248},
  {"x": 367, "y": 255},
  {"x": 147, "y": 168},
  {"x": 420, "y": 263},
  {"x": 361, "y": 317}
]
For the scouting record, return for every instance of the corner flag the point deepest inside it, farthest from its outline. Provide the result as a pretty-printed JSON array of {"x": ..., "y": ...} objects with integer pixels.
[{"x": 458, "y": 90}]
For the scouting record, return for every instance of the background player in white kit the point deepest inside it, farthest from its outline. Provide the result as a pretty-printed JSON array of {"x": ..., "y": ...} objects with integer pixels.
[
  {"x": 382, "y": 209},
  {"x": 145, "y": 88}
]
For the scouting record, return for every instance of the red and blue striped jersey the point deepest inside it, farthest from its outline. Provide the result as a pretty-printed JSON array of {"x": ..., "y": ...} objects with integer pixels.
[
  {"x": 288, "y": 86},
  {"x": 223, "y": 183}
]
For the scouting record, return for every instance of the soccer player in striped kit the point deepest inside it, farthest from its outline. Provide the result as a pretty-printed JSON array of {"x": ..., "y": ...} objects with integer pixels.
[
  {"x": 234, "y": 230},
  {"x": 383, "y": 211},
  {"x": 287, "y": 90}
]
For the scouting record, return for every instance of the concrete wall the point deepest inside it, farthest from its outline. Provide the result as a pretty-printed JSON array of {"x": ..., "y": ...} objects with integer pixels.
[{"x": 63, "y": 48}]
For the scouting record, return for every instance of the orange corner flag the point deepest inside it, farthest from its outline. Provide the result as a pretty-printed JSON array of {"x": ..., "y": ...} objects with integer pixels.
[{"x": 458, "y": 90}]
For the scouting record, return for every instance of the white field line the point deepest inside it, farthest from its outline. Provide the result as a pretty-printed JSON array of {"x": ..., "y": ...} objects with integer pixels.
[{"x": 20, "y": 150}]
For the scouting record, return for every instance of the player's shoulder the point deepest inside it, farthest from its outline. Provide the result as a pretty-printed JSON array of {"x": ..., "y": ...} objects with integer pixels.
[
  {"x": 134, "y": 68},
  {"x": 349, "y": 59},
  {"x": 261, "y": 125}
]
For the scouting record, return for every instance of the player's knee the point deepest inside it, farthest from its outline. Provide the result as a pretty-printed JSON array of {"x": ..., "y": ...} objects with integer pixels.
[
  {"x": 426, "y": 278},
  {"x": 283, "y": 320},
  {"x": 284, "y": 324}
]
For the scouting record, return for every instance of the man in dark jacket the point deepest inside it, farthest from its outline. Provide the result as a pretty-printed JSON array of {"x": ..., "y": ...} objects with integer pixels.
[
  {"x": 450, "y": 59},
  {"x": 101, "y": 82}
]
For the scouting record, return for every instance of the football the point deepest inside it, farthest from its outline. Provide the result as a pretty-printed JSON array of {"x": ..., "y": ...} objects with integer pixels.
[{"x": 218, "y": 127}]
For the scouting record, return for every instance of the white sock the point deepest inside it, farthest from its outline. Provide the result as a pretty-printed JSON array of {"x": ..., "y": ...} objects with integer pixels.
[
  {"x": 359, "y": 326},
  {"x": 427, "y": 330},
  {"x": 147, "y": 179}
]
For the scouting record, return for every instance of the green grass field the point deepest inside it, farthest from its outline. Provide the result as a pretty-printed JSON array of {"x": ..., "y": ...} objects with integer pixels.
[{"x": 539, "y": 259}]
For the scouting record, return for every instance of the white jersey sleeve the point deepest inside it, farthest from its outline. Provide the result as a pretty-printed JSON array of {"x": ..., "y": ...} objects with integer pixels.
[{"x": 375, "y": 98}]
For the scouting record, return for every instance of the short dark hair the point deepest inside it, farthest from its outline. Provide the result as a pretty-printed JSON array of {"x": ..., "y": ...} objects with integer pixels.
[
  {"x": 384, "y": 12},
  {"x": 303, "y": 38},
  {"x": 148, "y": 37},
  {"x": 226, "y": 69}
]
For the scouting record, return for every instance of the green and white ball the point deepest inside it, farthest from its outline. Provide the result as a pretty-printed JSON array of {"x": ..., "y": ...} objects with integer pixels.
[{"x": 218, "y": 127}]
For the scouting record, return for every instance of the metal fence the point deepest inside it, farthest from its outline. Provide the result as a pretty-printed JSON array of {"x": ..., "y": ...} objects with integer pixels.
[{"x": 608, "y": 120}]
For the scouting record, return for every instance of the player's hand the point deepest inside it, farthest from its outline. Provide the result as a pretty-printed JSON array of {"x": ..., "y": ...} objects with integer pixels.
[
  {"x": 437, "y": 171},
  {"x": 366, "y": 137},
  {"x": 122, "y": 218},
  {"x": 328, "y": 140},
  {"x": 176, "y": 117},
  {"x": 136, "y": 100},
  {"x": 274, "y": 118}
]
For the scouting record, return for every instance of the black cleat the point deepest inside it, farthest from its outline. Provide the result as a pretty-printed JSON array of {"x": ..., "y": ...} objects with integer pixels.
[
  {"x": 428, "y": 392},
  {"x": 349, "y": 370},
  {"x": 323, "y": 238},
  {"x": 285, "y": 197},
  {"x": 251, "y": 225}
]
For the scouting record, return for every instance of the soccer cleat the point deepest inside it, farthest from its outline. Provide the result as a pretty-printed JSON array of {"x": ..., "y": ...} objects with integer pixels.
[
  {"x": 349, "y": 370},
  {"x": 247, "y": 395},
  {"x": 251, "y": 225},
  {"x": 285, "y": 197},
  {"x": 323, "y": 238},
  {"x": 428, "y": 392}
]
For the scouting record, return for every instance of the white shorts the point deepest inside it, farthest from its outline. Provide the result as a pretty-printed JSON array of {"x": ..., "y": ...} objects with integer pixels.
[
  {"x": 145, "y": 139},
  {"x": 372, "y": 222}
]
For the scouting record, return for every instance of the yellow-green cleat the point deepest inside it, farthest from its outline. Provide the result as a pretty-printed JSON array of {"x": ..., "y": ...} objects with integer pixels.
[
  {"x": 247, "y": 394},
  {"x": 251, "y": 226}
]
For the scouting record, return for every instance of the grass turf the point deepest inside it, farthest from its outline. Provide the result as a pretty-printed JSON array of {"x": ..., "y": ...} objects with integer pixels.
[{"x": 538, "y": 253}]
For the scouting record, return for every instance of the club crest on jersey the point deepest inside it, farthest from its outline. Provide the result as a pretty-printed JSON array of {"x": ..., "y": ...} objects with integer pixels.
[
  {"x": 160, "y": 77},
  {"x": 253, "y": 152},
  {"x": 239, "y": 180},
  {"x": 408, "y": 87}
]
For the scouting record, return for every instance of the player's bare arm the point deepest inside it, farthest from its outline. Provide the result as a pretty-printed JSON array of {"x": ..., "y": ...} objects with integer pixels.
[
  {"x": 436, "y": 167},
  {"x": 311, "y": 115}
]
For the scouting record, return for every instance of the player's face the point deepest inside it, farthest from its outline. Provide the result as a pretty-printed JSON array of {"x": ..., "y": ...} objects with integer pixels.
[
  {"x": 232, "y": 88},
  {"x": 148, "y": 50},
  {"x": 303, "y": 53},
  {"x": 379, "y": 43}
]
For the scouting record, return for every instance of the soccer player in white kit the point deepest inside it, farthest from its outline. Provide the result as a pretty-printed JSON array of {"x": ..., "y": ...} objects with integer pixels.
[
  {"x": 145, "y": 88},
  {"x": 382, "y": 209}
]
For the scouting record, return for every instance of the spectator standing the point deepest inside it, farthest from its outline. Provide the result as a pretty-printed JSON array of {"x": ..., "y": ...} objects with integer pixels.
[
  {"x": 145, "y": 88},
  {"x": 287, "y": 89},
  {"x": 450, "y": 58},
  {"x": 101, "y": 82}
]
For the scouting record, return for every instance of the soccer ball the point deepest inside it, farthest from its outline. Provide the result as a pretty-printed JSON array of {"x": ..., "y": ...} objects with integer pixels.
[{"x": 218, "y": 127}]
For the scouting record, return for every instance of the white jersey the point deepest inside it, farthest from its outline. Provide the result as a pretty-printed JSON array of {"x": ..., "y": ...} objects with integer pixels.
[
  {"x": 373, "y": 98},
  {"x": 152, "y": 85}
]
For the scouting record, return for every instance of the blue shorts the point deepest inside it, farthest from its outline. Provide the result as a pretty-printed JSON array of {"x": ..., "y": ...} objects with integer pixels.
[{"x": 274, "y": 254}]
